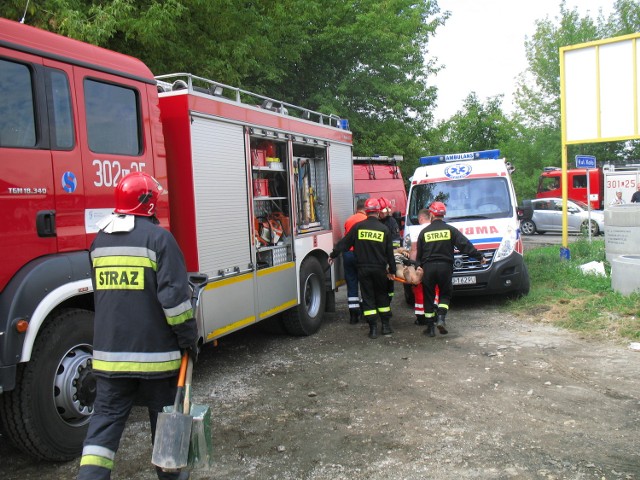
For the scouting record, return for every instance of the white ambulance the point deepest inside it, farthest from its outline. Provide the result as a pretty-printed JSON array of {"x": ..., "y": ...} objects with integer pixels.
[{"x": 481, "y": 202}]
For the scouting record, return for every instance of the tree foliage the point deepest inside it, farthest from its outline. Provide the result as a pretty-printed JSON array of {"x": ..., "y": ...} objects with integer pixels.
[{"x": 363, "y": 60}]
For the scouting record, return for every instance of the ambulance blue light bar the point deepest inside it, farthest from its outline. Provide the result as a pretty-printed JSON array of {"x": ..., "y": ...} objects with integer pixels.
[{"x": 461, "y": 157}]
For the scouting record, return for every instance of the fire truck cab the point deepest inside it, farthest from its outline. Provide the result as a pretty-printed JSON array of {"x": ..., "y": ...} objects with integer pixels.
[{"x": 476, "y": 187}]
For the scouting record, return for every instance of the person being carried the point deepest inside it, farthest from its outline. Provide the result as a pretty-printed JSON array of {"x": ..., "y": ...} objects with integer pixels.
[
  {"x": 373, "y": 249},
  {"x": 350, "y": 267},
  {"x": 436, "y": 244},
  {"x": 143, "y": 322}
]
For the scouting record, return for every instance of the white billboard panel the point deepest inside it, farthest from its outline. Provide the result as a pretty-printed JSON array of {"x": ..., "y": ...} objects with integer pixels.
[
  {"x": 600, "y": 90},
  {"x": 580, "y": 98}
]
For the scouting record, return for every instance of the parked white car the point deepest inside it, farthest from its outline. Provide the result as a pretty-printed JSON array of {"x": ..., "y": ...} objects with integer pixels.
[{"x": 547, "y": 217}]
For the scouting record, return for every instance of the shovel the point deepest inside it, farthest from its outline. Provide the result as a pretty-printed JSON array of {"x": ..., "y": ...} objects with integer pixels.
[
  {"x": 200, "y": 447},
  {"x": 173, "y": 431}
]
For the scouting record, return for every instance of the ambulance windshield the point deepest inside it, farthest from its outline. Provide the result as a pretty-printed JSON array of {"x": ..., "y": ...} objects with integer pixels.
[{"x": 469, "y": 199}]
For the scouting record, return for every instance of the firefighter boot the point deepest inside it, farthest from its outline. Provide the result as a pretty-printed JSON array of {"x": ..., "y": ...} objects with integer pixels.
[
  {"x": 430, "y": 331},
  {"x": 373, "y": 329},
  {"x": 420, "y": 320},
  {"x": 386, "y": 327},
  {"x": 354, "y": 315},
  {"x": 442, "y": 326}
]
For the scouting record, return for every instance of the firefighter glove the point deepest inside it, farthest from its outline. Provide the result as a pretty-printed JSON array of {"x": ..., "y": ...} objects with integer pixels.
[{"x": 193, "y": 352}]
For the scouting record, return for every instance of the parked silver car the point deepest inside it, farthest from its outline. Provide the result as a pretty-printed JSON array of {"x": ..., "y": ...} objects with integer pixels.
[{"x": 547, "y": 217}]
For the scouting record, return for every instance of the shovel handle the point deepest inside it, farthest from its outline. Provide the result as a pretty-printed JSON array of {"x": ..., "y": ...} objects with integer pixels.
[
  {"x": 186, "y": 405},
  {"x": 181, "y": 377},
  {"x": 183, "y": 370}
]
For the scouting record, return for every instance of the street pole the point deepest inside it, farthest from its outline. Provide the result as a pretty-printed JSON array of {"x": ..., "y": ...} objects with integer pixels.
[{"x": 589, "y": 204}]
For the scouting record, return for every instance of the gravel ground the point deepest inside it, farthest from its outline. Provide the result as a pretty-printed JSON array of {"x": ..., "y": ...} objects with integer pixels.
[{"x": 499, "y": 397}]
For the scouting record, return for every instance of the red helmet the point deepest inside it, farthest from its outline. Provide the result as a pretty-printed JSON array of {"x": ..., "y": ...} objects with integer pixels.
[
  {"x": 385, "y": 203},
  {"x": 137, "y": 194},
  {"x": 438, "y": 209},
  {"x": 372, "y": 205}
]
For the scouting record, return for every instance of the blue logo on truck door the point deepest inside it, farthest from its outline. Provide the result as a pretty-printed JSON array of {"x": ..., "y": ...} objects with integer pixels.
[
  {"x": 457, "y": 170},
  {"x": 69, "y": 182}
]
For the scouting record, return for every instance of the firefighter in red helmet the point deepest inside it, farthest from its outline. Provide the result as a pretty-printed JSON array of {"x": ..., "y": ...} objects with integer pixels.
[
  {"x": 436, "y": 243},
  {"x": 375, "y": 263},
  {"x": 143, "y": 321},
  {"x": 137, "y": 194}
]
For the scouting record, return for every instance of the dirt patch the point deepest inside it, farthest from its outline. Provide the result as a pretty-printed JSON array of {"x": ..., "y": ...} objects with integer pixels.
[{"x": 499, "y": 397}]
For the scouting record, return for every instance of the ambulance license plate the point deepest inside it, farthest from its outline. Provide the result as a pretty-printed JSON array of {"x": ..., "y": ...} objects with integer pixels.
[{"x": 464, "y": 280}]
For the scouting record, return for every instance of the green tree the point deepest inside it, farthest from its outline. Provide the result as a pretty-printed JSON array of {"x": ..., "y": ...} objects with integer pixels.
[{"x": 477, "y": 126}]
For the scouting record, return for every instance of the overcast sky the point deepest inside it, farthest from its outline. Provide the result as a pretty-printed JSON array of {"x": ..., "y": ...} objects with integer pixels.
[{"x": 482, "y": 46}]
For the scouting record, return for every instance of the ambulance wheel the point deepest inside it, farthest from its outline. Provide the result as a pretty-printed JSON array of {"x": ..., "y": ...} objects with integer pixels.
[
  {"x": 47, "y": 414},
  {"x": 306, "y": 318}
]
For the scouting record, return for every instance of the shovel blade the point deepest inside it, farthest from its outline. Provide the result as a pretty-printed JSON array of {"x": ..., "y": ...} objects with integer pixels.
[{"x": 171, "y": 444}]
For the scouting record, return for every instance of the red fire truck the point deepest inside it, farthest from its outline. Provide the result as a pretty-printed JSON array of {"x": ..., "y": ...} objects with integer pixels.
[
  {"x": 258, "y": 192},
  {"x": 380, "y": 176},
  {"x": 603, "y": 183}
]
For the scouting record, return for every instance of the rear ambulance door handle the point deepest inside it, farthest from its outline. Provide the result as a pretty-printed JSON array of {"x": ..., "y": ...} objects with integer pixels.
[{"x": 46, "y": 223}]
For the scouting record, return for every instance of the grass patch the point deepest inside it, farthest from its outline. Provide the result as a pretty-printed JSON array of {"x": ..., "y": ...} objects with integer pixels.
[{"x": 564, "y": 296}]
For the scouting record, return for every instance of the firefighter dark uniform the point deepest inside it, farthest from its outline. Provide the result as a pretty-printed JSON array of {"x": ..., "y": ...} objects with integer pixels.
[
  {"x": 350, "y": 267},
  {"x": 394, "y": 229},
  {"x": 374, "y": 256},
  {"x": 143, "y": 322},
  {"x": 435, "y": 249}
]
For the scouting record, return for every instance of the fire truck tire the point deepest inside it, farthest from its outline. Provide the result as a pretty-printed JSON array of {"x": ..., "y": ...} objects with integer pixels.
[
  {"x": 307, "y": 317},
  {"x": 48, "y": 412}
]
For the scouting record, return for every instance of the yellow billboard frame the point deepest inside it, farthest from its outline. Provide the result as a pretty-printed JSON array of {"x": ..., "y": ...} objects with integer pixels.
[{"x": 598, "y": 97}]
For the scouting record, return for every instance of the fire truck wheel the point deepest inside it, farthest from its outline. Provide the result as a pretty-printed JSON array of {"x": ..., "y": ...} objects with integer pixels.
[
  {"x": 47, "y": 415},
  {"x": 307, "y": 317}
]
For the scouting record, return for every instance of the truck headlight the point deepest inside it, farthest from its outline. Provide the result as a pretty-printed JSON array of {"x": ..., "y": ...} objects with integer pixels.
[{"x": 507, "y": 245}]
